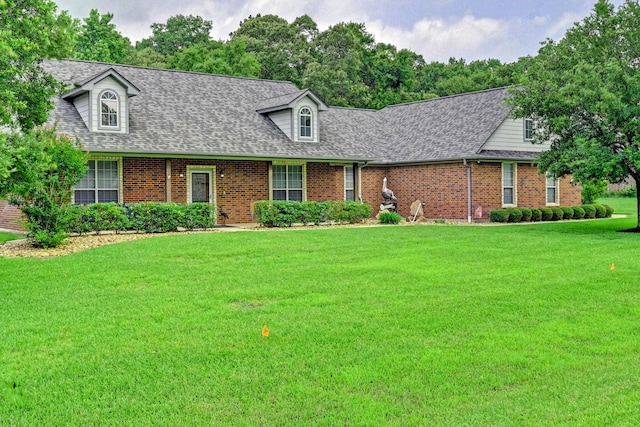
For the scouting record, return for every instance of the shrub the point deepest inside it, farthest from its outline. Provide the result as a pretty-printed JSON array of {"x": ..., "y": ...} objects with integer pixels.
[
  {"x": 567, "y": 211},
  {"x": 589, "y": 211},
  {"x": 557, "y": 214},
  {"x": 609, "y": 210},
  {"x": 629, "y": 191},
  {"x": 526, "y": 214},
  {"x": 275, "y": 213},
  {"x": 499, "y": 215},
  {"x": 547, "y": 214},
  {"x": 592, "y": 190},
  {"x": 515, "y": 214},
  {"x": 601, "y": 211},
  {"x": 536, "y": 215},
  {"x": 197, "y": 215},
  {"x": 578, "y": 212},
  {"x": 349, "y": 211},
  {"x": 390, "y": 218}
]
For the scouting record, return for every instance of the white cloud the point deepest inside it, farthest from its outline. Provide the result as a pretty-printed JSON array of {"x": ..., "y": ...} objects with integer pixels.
[{"x": 438, "y": 39}]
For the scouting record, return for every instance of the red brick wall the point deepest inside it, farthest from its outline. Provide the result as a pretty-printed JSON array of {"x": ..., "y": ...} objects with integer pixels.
[
  {"x": 10, "y": 217},
  {"x": 325, "y": 182},
  {"x": 143, "y": 180},
  {"x": 443, "y": 187}
]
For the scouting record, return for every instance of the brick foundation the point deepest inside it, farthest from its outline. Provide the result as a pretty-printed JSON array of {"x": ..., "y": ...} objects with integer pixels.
[{"x": 10, "y": 217}]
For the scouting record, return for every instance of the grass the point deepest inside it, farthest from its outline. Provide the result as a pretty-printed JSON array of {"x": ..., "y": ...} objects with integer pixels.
[
  {"x": 416, "y": 325},
  {"x": 6, "y": 236}
]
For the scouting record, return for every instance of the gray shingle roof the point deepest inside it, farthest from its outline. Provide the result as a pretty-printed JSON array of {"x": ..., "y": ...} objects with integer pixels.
[{"x": 192, "y": 114}]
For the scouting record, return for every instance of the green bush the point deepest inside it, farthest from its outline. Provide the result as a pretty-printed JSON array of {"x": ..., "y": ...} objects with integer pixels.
[
  {"x": 536, "y": 214},
  {"x": 515, "y": 214},
  {"x": 629, "y": 191},
  {"x": 589, "y": 211},
  {"x": 526, "y": 214},
  {"x": 557, "y": 214},
  {"x": 390, "y": 218},
  {"x": 197, "y": 216},
  {"x": 278, "y": 213},
  {"x": 592, "y": 190},
  {"x": 348, "y": 211},
  {"x": 499, "y": 215},
  {"x": 547, "y": 214},
  {"x": 601, "y": 211},
  {"x": 609, "y": 210},
  {"x": 578, "y": 212},
  {"x": 568, "y": 212}
]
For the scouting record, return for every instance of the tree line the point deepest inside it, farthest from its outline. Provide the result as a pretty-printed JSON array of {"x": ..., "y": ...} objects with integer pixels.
[{"x": 344, "y": 65}]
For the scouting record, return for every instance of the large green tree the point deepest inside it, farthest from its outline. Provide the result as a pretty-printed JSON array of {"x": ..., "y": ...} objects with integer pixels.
[
  {"x": 583, "y": 94},
  {"x": 30, "y": 30},
  {"x": 100, "y": 41},
  {"x": 179, "y": 32},
  {"x": 230, "y": 58}
]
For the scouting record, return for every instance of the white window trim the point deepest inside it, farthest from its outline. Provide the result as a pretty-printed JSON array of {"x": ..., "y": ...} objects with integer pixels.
[
  {"x": 312, "y": 127},
  {"x": 120, "y": 176},
  {"x": 546, "y": 189},
  {"x": 285, "y": 162},
  {"x": 118, "y": 111},
  {"x": 524, "y": 129},
  {"x": 197, "y": 168},
  {"x": 354, "y": 182},
  {"x": 514, "y": 186}
]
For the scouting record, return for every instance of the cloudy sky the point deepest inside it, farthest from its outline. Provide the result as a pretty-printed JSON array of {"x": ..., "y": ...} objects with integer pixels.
[{"x": 436, "y": 29}]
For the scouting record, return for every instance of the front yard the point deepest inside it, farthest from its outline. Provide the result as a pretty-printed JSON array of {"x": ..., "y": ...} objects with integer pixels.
[{"x": 442, "y": 325}]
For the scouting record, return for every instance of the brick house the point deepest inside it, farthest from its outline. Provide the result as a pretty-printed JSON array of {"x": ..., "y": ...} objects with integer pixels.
[{"x": 164, "y": 135}]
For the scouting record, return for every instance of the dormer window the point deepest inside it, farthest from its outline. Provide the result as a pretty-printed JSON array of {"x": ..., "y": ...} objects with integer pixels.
[
  {"x": 305, "y": 123},
  {"x": 109, "y": 110}
]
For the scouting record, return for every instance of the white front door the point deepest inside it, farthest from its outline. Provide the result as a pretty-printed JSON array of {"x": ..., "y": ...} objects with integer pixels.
[{"x": 201, "y": 186}]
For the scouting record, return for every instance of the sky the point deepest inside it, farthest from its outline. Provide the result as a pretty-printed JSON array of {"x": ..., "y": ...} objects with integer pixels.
[{"x": 436, "y": 29}]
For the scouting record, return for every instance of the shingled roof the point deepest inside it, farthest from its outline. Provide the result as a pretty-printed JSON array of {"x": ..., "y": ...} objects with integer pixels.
[{"x": 193, "y": 114}]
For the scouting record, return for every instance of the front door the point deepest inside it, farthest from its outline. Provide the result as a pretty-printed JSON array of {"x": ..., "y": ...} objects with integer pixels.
[{"x": 201, "y": 188}]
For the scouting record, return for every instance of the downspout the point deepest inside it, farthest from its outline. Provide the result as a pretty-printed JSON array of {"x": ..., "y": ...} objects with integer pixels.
[
  {"x": 464, "y": 161},
  {"x": 360, "y": 167}
]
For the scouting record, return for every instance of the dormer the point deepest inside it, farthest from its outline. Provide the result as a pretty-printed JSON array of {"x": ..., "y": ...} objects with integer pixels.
[
  {"x": 103, "y": 101},
  {"x": 296, "y": 114}
]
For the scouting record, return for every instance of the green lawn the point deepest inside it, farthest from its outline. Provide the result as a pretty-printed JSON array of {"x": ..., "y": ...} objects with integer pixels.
[
  {"x": 416, "y": 325},
  {"x": 5, "y": 236}
]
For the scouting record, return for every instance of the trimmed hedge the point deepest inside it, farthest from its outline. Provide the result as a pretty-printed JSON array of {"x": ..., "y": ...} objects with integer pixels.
[
  {"x": 578, "y": 212},
  {"x": 281, "y": 213},
  {"x": 515, "y": 214},
  {"x": 568, "y": 212},
  {"x": 547, "y": 214},
  {"x": 499, "y": 215},
  {"x": 526, "y": 214},
  {"x": 536, "y": 214},
  {"x": 148, "y": 217},
  {"x": 551, "y": 214}
]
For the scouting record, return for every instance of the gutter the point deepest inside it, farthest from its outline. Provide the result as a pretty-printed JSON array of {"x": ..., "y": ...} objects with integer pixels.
[
  {"x": 464, "y": 161},
  {"x": 360, "y": 167}
]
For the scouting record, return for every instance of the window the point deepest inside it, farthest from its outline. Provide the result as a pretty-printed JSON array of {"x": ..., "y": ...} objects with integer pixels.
[
  {"x": 508, "y": 184},
  {"x": 288, "y": 182},
  {"x": 349, "y": 183},
  {"x": 528, "y": 129},
  {"x": 109, "y": 109},
  {"x": 100, "y": 185},
  {"x": 552, "y": 191},
  {"x": 305, "y": 123}
]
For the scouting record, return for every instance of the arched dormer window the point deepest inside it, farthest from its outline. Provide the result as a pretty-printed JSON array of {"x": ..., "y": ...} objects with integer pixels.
[
  {"x": 305, "y": 123},
  {"x": 109, "y": 110}
]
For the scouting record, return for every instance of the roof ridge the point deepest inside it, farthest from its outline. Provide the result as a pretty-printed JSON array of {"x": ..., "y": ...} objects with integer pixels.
[
  {"x": 139, "y": 67},
  {"x": 441, "y": 98}
]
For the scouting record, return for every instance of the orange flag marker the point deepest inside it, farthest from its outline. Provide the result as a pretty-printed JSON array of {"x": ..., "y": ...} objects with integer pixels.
[
  {"x": 613, "y": 267},
  {"x": 265, "y": 331}
]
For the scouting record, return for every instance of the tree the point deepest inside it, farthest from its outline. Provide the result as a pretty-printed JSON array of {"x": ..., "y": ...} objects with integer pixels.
[
  {"x": 45, "y": 167},
  {"x": 178, "y": 33},
  {"x": 100, "y": 41},
  {"x": 583, "y": 94},
  {"x": 216, "y": 57},
  {"x": 30, "y": 30},
  {"x": 282, "y": 49}
]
